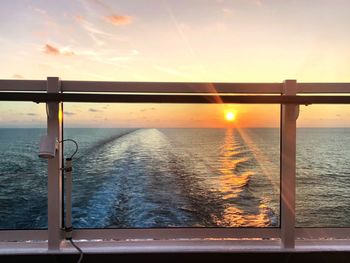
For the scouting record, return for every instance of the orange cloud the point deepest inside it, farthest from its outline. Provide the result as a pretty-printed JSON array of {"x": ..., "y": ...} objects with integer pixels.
[
  {"x": 68, "y": 53},
  {"x": 18, "y": 76},
  {"x": 79, "y": 18},
  {"x": 118, "y": 20},
  {"x": 51, "y": 50}
]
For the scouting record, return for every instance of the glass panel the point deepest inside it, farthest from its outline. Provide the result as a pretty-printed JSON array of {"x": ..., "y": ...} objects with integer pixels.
[
  {"x": 323, "y": 166},
  {"x": 144, "y": 166},
  {"x": 23, "y": 176}
]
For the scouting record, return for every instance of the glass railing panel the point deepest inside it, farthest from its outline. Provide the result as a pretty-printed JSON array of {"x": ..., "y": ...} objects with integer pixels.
[
  {"x": 23, "y": 176},
  {"x": 162, "y": 165},
  {"x": 323, "y": 166}
]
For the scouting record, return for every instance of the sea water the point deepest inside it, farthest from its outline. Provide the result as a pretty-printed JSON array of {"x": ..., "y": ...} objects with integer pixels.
[{"x": 145, "y": 178}]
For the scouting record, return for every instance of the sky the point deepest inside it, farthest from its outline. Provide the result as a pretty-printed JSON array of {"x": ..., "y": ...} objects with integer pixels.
[{"x": 182, "y": 40}]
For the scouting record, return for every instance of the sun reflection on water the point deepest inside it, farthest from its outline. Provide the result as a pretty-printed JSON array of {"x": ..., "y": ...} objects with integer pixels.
[{"x": 233, "y": 181}]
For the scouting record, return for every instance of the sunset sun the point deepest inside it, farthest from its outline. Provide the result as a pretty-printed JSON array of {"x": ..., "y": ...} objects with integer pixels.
[{"x": 230, "y": 116}]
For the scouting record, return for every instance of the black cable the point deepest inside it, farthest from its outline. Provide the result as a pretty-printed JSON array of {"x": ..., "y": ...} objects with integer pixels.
[
  {"x": 77, "y": 248},
  {"x": 76, "y": 146},
  {"x": 70, "y": 228}
]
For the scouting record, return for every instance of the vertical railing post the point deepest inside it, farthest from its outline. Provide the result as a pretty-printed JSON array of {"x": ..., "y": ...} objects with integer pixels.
[
  {"x": 54, "y": 128},
  {"x": 289, "y": 114}
]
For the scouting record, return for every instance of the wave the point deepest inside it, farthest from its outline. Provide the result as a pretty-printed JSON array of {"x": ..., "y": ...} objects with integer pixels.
[
  {"x": 118, "y": 133},
  {"x": 134, "y": 188},
  {"x": 141, "y": 179}
]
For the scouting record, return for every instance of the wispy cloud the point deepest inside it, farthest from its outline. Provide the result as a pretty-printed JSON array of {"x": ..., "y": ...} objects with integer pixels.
[
  {"x": 171, "y": 71},
  {"x": 91, "y": 5},
  {"x": 89, "y": 26},
  {"x": 178, "y": 26},
  {"x": 68, "y": 113},
  {"x": 118, "y": 20},
  {"x": 50, "y": 26},
  {"x": 18, "y": 76},
  {"x": 100, "y": 3},
  {"x": 112, "y": 57},
  {"x": 32, "y": 114},
  {"x": 96, "y": 34},
  {"x": 79, "y": 18},
  {"x": 38, "y": 10},
  {"x": 148, "y": 109},
  {"x": 96, "y": 10},
  {"x": 227, "y": 11},
  {"x": 55, "y": 51},
  {"x": 94, "y": 110},
  {"x": 40, "y": 34}
]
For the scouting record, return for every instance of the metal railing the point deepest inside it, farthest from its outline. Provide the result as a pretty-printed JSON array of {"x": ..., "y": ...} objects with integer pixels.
[{"x": 288, "y": 94}]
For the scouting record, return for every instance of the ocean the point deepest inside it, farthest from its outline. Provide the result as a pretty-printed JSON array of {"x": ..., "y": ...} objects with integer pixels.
[{"x": 151, "y": 178}]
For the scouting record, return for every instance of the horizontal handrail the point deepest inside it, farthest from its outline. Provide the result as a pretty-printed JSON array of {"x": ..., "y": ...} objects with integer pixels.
[
  {"x": 15, "y": 235},
  {"x": 174, "y": 98},
  {"x": 23, "y": 85},
  {"x": 335, "y": 87},
  {"x": 147, "y": 87},
  {"x": 175, "y": 233},
  {"x": 172, "y": 87}
]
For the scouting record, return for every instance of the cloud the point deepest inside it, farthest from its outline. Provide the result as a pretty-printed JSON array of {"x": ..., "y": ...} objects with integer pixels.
[
  {"x": 89, "y": 27},
  {"x": 92, "y": 5},
  {"x": 94, "y": 110},
  {"x": 18, "y": 76},
  {"x": 106, "y": 56},
  {"x": 118, "y": 20},
  {"x": 79, "y": 19},
  {"x": 51, "y": 50},
  {"x": 68, "y": 113},
  {"x": 135, "y": 52},
  {"x": 55, "y": 51},
  {"x": 147, "y": 109},
  {"x": 40, "y": 34},
  {"x": 227, "y": 11},
  {"x": 96, "y": 34},
  {"x": 100, "y": 3},
  {"x": 38, "y": 10},
  {"x": 67, "y": 52},
  {"x": 32, "y": 114}
]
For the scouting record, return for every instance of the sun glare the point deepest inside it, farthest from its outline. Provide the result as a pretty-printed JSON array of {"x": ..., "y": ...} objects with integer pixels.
[{"x": 230, "y": 116}]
